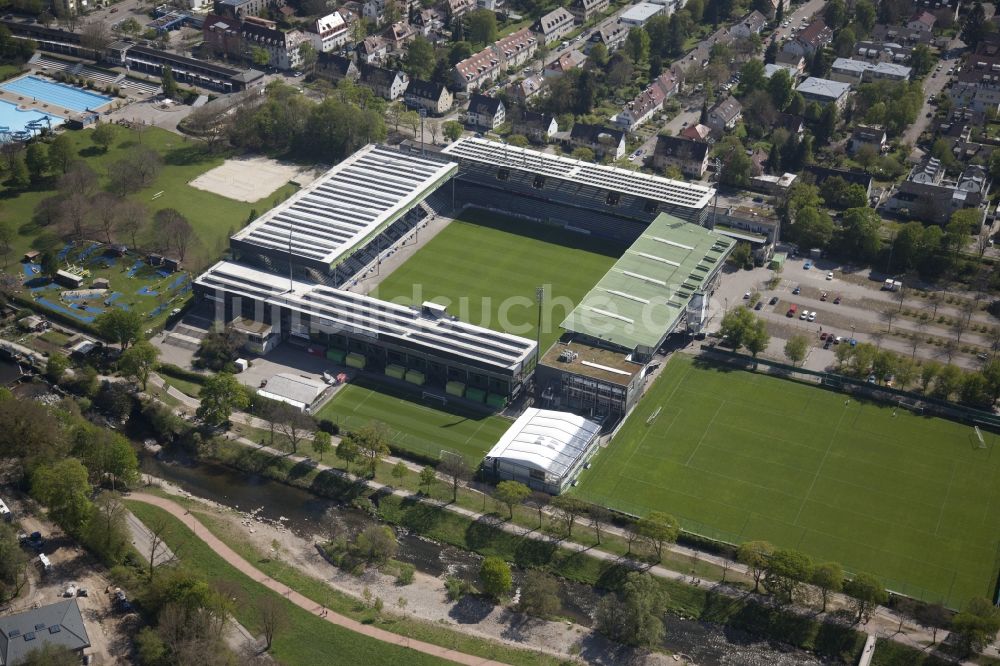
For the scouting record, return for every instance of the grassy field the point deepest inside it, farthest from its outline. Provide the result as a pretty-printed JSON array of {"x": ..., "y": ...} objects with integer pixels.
[
  {"x": 480, "y": 262},
  {"x": 306, "y": 639},
  {"x": 213, "y": 217},
  {"x": 739, "y": 456},
  {"x": 415, "y": 426}
]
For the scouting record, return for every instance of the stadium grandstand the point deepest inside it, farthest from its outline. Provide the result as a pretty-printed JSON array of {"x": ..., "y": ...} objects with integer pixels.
[
  {"x": 425, "y": 347},
  {"x": 333, "y": 227},
  {"x": 581, "y": 196},
  {"x": 598, "y": 365}
]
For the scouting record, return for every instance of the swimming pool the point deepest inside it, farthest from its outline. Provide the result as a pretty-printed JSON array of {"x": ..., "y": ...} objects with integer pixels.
[
  {"x": 60, "y": 94},
  {"x": 16, "y": 120}
]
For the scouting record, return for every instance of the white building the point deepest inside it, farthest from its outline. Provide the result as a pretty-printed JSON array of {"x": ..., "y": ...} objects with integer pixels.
[
  {"x": 544, "y": 449},
  {"x": 638, "y": 15},
  {"x": 329, "y": 33}
]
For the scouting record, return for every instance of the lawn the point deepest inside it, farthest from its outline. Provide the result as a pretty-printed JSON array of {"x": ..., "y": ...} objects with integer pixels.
[
  {"x": 480, "y": 263},
  {"x": 306, "y": 639},
  {"x": 420, "y": 427},
  {"x": 740, "y": 456}
]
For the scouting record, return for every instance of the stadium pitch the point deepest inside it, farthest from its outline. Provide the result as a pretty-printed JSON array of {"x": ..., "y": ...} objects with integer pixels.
[
  {"x": 739, "y": 456},
  {"x": 425, "y": 427},
  {"x": 482, "y": 260}
]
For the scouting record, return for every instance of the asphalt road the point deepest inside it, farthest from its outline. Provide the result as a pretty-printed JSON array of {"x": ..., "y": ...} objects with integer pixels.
[{"x": 934, "y": 83}]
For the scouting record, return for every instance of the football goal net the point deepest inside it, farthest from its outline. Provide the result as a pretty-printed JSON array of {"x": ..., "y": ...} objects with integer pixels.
[
  {"x": 652, "y": 417},
  {"x": 980, "y": 440},
  {"x": 427, "y": 395}
]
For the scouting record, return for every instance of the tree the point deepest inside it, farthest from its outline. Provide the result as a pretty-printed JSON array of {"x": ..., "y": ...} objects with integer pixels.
[
  {"x": 637, "y": 45},
  {"x": 568, "y": 508},
  {"x": 755, "y": 555},
  {"x": 50, "y": 655},
  {"x": 975, "y": 26},
  {"x": 757, "y": 338},
  {"x": 482, "y": 25},
  {"x": 419, "y": 59},
  {"x": 308, "y": 57},
  {"x": 138, "y": 361},
  {"x": 736, "y": 168},
  {"x": 95, "y": 35},
  {"x": 866, "y": 594},
  {"x": 132, "y": 216},
  {"x": 63, "y": 487},
  {"x": 13, "y": 564},
  {"x": 539, "y": 500},
  {"x": 512, "y": 493},
  {"x": 740, "y": 326},
  {"x": 399, "y": 471},
  {"x": 796, "y": 348},
  {"x": 921, "y": 59},
  {"x": 168, "y": 83},
  {"x": 6, "y": 239},
  {"x": 174, "y": 230},
  {"x": 103, "y": 135},
  {"x": 220, "y": 395},
  {"x": 813, "y": 228},
  {"x": 427, "y": 478},
  {"x": 19, "y": 174},
  {"x": 934, "y": 617},
  {"x": 828, "y": 577},
  {"x": 120, "y": 326},
  {"x": 583, "y": 154},
  {"x": 780, "y": 87},
  {"x": 107, "y": 533},
  {"x": 321, "y": 443},
  {"x": 293, "y": 423},
  {"x": 496, "y": 577},
  {"x": 827, "y": 123},
  {"x": 347, "y": 450},
  {"x": 976, "y": 626},
  {"x": 453, "y": 130},
  {"x": 539, "y": 594},
  {"x": 272, "y": 616},
  {"x": 599, "y": 54},
  {"x": 752, "y": 76},
  {"x": 260, "y": 56},
  {"x": 658, "y": 529},
  {"x": 376, "y": 544},
  {"x": 634, "y": 615},
  {"x": 599, "y": 516},
  {"x": 37, "y": 160},
  {"x": 56, "y": 367},
  {"x": 456, "y": 467},
  {"x": 947, "y": 383},
  {"x": 785, "y": 571}
]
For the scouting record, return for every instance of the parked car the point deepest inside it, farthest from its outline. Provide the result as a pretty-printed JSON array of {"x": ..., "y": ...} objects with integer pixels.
[
  {"x": 806, "y": 266},
  {"x": 746, "y": 296},
  {"x": 796, "y": 291},
  {"x": 773, "y": 301},
  {"x": 836, "y": 301},
  {"x": 812, "y": 316},
  {"x": 822, "y": 296},
  {"x": 829, "y": 275},
  {"x": 804, "y": 315},
  {"x": 759, "y": 305}
]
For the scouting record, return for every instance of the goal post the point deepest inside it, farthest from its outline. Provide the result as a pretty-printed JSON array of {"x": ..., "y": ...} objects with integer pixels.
[
  {"x": 979, "y": 437},
  {"x": 429, "y": 395}
]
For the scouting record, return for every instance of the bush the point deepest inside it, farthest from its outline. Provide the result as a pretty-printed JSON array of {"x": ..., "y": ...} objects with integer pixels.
[
  {"x": 404, "y": 574},
  {"x": 171, "y": 370},
  {"x": 457, "y": 587},
  {"x": 329, "y": 427}
]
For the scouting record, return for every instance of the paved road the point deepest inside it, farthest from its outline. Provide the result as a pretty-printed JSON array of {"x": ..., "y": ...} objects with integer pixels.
[
  {"x": 142, "y": 539},
  {"x": 234, "y": 559},
  {"x": 804, "y": 11},
  {"x": 933, "y": 85}
]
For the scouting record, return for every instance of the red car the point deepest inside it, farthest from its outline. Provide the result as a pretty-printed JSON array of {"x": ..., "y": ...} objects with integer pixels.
[{"x": 822, "y": 336}]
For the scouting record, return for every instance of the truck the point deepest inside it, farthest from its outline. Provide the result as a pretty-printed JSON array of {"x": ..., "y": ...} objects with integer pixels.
[{"x": 891, "y": 285}]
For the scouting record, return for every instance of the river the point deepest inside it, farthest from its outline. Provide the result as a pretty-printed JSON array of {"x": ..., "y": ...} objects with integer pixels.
[{"x": 307, "y": 515}]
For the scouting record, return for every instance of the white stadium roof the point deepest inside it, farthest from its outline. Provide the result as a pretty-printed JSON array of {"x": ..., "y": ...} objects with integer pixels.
[
  {"x": 657, "y": 188},
  {"x": 335, "y": 310},
  {"x": 349, "y": 203},
  {"x": 546, "y": 440}
]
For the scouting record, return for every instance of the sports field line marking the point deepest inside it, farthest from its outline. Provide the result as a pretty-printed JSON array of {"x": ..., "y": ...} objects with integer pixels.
[
  {"x": 704, "y": 433},
  {"x": 947, "y": 494},
  {"x": 812, "y": 485},
  {"x": 639, "y": 443},
  {"x": 474, "y": 432}
]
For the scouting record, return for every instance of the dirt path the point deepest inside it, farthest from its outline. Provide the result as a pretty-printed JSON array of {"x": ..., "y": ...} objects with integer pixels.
[{"x": 231, "y": 557}]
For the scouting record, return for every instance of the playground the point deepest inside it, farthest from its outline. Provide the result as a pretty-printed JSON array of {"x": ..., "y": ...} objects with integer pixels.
[{"x": 106, "y": 279}]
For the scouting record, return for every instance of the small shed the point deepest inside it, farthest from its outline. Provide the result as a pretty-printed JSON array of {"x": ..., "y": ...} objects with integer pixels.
[
  {"x": 101, "y": 283},
  {"x": 67, "y": 279},
  {"x": 31, "y": 256},
  {"x": 116, "y": 251},
  {"x": 32, "y": 323},
  {"x": 295, "y": 390},
  {"x": 154, "y": 259},
  {"x": 172, "y": 265}
]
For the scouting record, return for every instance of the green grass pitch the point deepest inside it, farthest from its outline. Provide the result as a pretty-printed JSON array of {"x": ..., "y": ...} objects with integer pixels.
[
  {"x": 740, "y": 456},
  {"x": 423, "y": 427},
  {"x": 482, "y": 259}
]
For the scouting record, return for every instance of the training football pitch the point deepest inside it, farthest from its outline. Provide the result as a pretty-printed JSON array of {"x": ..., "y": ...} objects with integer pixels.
[
  {"x": 420, "y": 426},
  {"x": 482, "y": 261},
  {"x": 740, "y": 456}
]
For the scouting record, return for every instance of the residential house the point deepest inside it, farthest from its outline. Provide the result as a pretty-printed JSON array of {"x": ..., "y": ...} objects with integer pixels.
[
  {"x": 864, "y": 135},
  {"x": 329, "y": 32},
  {"x": 697, "y": 132},
  {"x": 977, "y": 85},
  {"x": 922, "y": 21},
  {"x": 847, "y": 70},
  {"x": 526, "y": 88},
  {"x": 790, "y": 122},
  {"x": 612, "y": 36},
  {"x": 638, "y": 15},
  {"x": 824, "y": 91},
  {"x": 427, "y": 22},
  {"x": 604, "y": 141},
  {"x": 646, "y": 103},
  {"x": 770, "y": 69},
  {"x": 752, "y": 24},
  {"x": 485, "y": 113},
  {"x": 928, "y": 195},
  {"x": 815, "y": 36},
  {"x": 770, "y": 7},
  {"x": 398, "y": 34},
  {"x": 491, "y": 5},
  {"x": 240, "y": 9},
  {"x": 773, "y": 185},
  {"x": 511, "y": 51},
  {"x": 725, "y": 114},
  {"x": 57, "y": 625},
  {"x": 901, "y": 35},
  {"x": 850, "y": 176},
  {"x": 882, "y": 51},
  {"x": 691, "y": 157},
  {"x": 795, "y": 61},
  {"x": 374, "y": 10},
  {"x": 584, "y": 10},
  {"x": 537, "y": 127},
  {"x": 458, "y": 8},
  {"x": 335, "y": 67},
  {"x": 553, "y": 26},
  {"x": 564, "y": 63},
  {"x": 435, "y": 98},
  {"x": 282, "y": 47},
  {"x": 386, "y": 83},
  {"x": 372, "y": 50},
  {"x": 222, "y": 35}
]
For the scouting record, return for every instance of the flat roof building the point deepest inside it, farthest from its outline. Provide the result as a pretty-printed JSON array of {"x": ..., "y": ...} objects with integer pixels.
[
  {"x": 295, "y": 390},
  {"x": 545, "y": 450},
  {"x": 824, "y": 91},
  {"x": 354, "y": 201}
]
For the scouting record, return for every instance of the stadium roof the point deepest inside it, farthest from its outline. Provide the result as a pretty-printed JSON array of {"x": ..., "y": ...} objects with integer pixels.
[
  {"x": 333, "y": 310},
  {"x": 672, "y": 192},
  {"x": 546, "y": 440},
  {"x": 640, "y": 300},
  {"x": 349, "y": 203},
  {"x": 56, "y": 624}
]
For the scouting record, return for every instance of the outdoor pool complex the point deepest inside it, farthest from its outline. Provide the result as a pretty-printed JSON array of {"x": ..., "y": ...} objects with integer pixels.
[
  {"x": 59, "y": 94},
  {"x": 16, "y": 120}
]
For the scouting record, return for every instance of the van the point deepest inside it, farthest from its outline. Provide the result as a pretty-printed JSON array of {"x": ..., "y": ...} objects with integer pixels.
[{"x": 44, "y": 563}]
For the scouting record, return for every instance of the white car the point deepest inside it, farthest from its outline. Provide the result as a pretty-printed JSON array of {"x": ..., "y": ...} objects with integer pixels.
[
  {"x": 829, "y": 275},
  {"x": 746, "y": 296},
  {"x": 804, "y": 315},
  {"x": 812, "y": 316}
]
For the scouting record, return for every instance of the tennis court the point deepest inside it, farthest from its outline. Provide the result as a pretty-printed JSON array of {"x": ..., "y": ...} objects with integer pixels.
[{"x": 740, "y": 456}]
